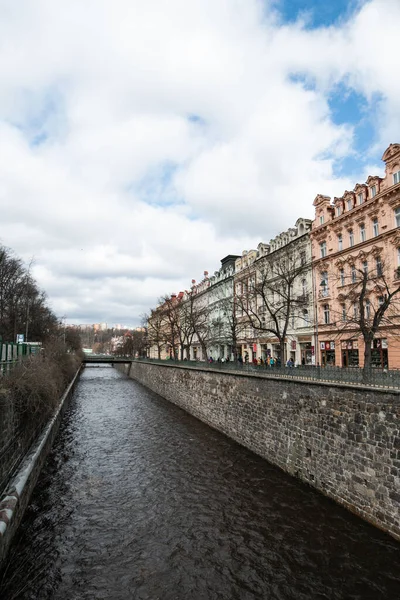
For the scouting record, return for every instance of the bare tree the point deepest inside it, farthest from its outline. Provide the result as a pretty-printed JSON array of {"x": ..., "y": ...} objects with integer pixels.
[
  {"x": 269, "y": 294},
  {"x": 23, "y": 306},
  {"x": 174, "y": 336},
  {"x": 227, "y": 327},
  {"x": 155, "y": 324},
  {"x": 369, "y": 299}
]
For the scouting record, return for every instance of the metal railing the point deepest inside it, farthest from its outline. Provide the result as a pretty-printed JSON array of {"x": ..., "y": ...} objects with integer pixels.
[{"x": 380, "y": 378}]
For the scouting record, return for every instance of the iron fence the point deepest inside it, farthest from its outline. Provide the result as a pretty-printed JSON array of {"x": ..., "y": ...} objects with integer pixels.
[{"x": 374, "y": 377}]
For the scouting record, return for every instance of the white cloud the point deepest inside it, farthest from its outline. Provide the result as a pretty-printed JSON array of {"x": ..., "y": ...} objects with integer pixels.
[{"x": 140, "y": 142}]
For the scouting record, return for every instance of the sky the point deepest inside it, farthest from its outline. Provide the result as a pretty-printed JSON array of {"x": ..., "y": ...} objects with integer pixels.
[{"x": 141, "y": 142}]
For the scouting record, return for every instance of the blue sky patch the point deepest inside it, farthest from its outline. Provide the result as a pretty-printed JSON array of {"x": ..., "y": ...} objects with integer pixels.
[{"x": 317, "y": 13}]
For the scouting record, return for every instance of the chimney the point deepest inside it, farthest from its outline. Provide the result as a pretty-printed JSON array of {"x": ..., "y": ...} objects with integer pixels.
[{"x": 205, "y": 273}]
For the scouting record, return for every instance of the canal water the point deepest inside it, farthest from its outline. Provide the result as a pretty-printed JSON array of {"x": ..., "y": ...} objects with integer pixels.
[{"x": 139, "y": 500}]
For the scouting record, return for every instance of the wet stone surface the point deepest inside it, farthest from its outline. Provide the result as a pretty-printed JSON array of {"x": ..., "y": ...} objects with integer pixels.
[{"x": 139, "y": 500}]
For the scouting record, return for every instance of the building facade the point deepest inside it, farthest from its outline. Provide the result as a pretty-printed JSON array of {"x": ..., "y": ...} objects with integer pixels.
[
  {"x": 274, "y": 293},
  {"x": 356, "y": 270}
]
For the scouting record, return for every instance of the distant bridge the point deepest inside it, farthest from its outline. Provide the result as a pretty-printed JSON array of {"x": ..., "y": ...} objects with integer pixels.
[{"x": 96, "y": 359}]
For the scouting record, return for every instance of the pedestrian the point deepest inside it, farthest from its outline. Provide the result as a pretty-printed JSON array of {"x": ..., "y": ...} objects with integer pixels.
[
  {"x": 240, "y": 359},
  {"x": 271, "y": 361}
]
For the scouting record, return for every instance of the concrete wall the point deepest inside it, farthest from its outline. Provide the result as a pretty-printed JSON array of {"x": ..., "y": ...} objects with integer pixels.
[{"x": 342, "y": 440}]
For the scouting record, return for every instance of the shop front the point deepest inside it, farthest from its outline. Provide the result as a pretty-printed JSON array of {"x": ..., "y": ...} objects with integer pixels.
[
  {"x": 379, "y": 353},
  {"x": 292, "y": 355},
  {"x": 327, "y": 350},
  {"x": 306, "y": 353},
  {"x": 350, "y": 357}
]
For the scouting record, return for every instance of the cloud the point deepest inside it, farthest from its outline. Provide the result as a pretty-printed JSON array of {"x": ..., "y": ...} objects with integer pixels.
[{"x": 142, "y": 142}]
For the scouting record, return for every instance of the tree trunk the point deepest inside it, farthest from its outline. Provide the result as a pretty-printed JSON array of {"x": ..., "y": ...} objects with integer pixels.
[
  {"x": 367, "y": 355},
  {"x": 282, "y": 346}
]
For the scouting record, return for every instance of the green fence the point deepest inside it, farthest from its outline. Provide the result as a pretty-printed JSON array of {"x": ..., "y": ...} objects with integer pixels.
[{"x": 11, "y": 354}]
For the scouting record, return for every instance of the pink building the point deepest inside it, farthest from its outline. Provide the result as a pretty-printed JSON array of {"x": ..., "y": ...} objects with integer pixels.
[{"x": 356, "y": 269}]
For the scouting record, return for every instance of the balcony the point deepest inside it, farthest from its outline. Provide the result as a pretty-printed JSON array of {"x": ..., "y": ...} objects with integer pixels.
[{"x": 324, "y": 293}]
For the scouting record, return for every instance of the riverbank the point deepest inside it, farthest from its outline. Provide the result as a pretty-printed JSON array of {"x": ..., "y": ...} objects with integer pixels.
[{"x": 17, "y": 493}]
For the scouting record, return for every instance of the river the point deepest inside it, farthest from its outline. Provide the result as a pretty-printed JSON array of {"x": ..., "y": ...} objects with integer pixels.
[{"x": 139, "y": 500}]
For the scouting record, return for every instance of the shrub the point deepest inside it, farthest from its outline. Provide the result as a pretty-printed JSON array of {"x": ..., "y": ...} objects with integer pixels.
[{"x": 37, "y": 384}]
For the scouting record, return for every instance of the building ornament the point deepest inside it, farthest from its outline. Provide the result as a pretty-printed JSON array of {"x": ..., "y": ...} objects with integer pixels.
[{"x": 393, "y": 150}]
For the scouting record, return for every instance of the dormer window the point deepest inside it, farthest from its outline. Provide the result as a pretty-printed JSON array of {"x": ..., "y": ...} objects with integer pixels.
[
  {"x": 321, "y": 219},
  {"x": 349, "y": 204},
  {"x": 396, "y": 177},
  {"x": 360, "y": 198},
  {"x": 373, "y": 191},
  {"x": 338, "y": 210}
]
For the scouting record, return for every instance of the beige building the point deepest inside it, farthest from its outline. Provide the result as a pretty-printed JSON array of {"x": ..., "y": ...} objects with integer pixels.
[{"x": 274, "y": 298}]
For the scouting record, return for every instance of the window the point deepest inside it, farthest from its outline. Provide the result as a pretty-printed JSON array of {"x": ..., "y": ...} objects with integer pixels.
[
  {"x": 351, "y": 238},
  {"x": 397, "y": 216},
  {"x": 321, "y": 220},
  {"x": 324, "y": 284},
  {"x": 360, "y": 198},
  {"x": 338, "y": 210},
  {"x": 341, "y": 276},
  {"x": 323, "y": 249},
  {"x": 398, "y": 256},
  {"x": 304, "y": 287},
  {"x": 302, "y": 258},
  {"x": 368, "y": 309},
  {"x": 355, "y": 311},
  {"x": 306, "y": 317},
  {"x": 375, "y": 226},
  {"x": 396, "y": 177},
  {"x": 353, "y": 274},
  {"x": 344, "y": 312},
  {"x": 340, "y": 242},
  {"x": 379, "y": 270},
  {"x": 380, "y": 300},
  {"x": 363, "y": 235},
  {"x": 373, "y": 191},
  {"x": 365, "y": 266},
  {"x": 326, "y": 314},
  {"x": 349, "y": 204}
]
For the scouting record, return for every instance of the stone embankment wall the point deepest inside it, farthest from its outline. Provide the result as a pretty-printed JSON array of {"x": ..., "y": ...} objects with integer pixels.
[{"x": 342, "y": 440}]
